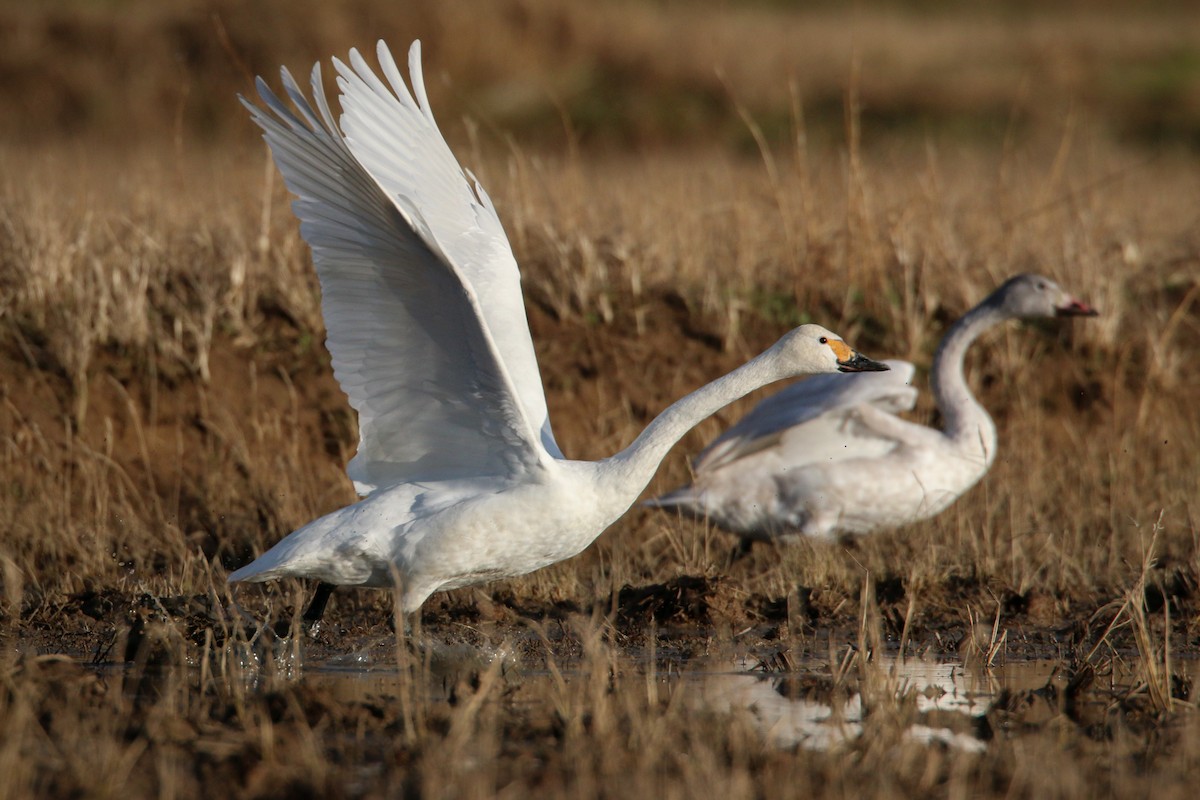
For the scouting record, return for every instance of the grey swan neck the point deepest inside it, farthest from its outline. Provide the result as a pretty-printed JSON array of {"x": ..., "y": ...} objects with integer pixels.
[
  {"x": 965, "y": 421},
  {"x": 632, "y": 468}
]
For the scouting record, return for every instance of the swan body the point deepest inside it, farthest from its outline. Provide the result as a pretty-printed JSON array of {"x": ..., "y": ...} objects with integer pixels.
[
  {"x": 464, "y": 481},
  {"x": 825, "y": 457}
]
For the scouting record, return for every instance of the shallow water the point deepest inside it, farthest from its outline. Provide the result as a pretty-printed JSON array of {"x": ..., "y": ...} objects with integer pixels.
[
  {"x": 805, "y": 703},
  {"x": 947, "y": 702}
]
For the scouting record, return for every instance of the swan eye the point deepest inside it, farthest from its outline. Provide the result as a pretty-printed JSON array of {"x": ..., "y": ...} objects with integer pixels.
[
  {"x": 1041, "y": 286},
  {"x": 824, "y": 340}
]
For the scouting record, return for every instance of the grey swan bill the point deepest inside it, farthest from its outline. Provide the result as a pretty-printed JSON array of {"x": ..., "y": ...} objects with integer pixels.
[
  {"x": 463, "y": 480},
  {"x": 826, "y": 457}
]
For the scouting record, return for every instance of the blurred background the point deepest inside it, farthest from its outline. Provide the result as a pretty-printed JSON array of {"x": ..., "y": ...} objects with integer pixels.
[{"x": 631, "y": 73}]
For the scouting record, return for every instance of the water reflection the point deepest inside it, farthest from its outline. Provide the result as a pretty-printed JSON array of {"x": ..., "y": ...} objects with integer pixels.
[
  {"x": 783, "y": 721},
  {"x": 950, "y": 699},
  {"x": 819, "y": 723},
  {"x": 800, "y": 708},
  {"x": 930, "y": 702},
  {"x": 951, "y": 686}
]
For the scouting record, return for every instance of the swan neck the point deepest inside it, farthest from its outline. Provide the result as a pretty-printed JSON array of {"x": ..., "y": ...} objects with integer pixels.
[
  {"x": 636, "y": 464},
  {"x": 962, "y": 414}
]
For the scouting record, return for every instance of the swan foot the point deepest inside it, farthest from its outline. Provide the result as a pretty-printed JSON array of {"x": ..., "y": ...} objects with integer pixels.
[{"x": 316, "y": 609}]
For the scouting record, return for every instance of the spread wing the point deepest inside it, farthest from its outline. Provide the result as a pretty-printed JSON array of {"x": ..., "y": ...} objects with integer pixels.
[
  {"x": 810, "y": 421},
  {"x": 420, "y": 291}
]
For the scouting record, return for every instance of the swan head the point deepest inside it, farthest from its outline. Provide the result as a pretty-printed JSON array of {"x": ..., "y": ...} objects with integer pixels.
[
  {"x": 1032, "y": 296},
  {"x": 813, "y": 349}
]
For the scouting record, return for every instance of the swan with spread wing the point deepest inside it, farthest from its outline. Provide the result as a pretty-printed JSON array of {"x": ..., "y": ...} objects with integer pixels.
[
  {"x": 823, "y": 457},
  {"x": 421, "y": 295}
]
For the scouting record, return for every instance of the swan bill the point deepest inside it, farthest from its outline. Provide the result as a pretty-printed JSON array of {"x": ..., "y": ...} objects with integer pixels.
[
  {"x": 1075, "y": 308},
  {"x": 860, "y": 363}
]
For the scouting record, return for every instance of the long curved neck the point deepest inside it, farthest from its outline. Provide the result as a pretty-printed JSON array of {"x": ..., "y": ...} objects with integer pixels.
[
  {"x": 633, "y": 467},
  {"x": 964, "y": 419}
]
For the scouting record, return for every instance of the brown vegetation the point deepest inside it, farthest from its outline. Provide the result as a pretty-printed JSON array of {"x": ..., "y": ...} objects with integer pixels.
[{"x": 167, "y": 409}]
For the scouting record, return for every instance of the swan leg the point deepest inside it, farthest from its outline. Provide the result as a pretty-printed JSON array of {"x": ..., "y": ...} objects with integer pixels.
[
  {"x": 316, "y": 608},
  {"x": 742, "y": 549}
]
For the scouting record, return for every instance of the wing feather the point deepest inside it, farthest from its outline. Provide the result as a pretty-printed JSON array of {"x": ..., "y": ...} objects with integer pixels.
[
  {"x": 397, "y": 140},
  {"x": 409, "y": 341},
  {"x": 811, "y": 413}
]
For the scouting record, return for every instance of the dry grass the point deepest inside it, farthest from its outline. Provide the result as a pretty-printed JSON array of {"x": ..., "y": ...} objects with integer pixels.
[{"x": 167, "y": 411}]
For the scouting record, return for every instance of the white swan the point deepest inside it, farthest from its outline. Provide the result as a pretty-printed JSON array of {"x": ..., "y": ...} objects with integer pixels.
[
  {"x": 427, "y": 331},
  {"x": 822, "y": 457}
]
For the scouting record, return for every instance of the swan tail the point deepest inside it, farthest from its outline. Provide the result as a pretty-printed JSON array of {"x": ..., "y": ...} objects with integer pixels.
[
  {"x": 285, "y": 559},
  {"x": 254, "y": 572}
]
